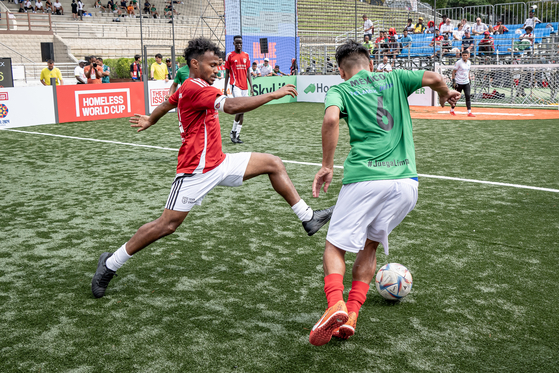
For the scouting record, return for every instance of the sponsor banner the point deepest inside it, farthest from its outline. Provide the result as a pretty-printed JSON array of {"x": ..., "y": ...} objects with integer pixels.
[
  {"x": 78, "y": 103},
  {"x": 26, "y": 106},
  {"x": 264, "y": 85},
  {"x": 157, "y": 90},
  {"x": 6, "y": 78},
  {"x": 220, "y": 84},
  {"x": 313, "y": 88}
]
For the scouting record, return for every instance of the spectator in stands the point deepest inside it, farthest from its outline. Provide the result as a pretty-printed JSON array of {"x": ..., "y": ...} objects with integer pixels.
[
  {"x": 368, "y": 28},
  {"x": 486, "y": 45},
  {"x": 468, "y": 43},
  {"x": 394, "y": 47},
  {"x": 405, "y": 42},
  {"x": 98, "y": 5},
  {"x": 147, "y": 7},
  {"x": 58, "y": 9},
  {"x": 367, "y": 44},
  {"x": 458, "y": 34},
  {"x": 39, "y": 6},
  {"x": 74, "y": 10},
  {"x": 409, "y": 27},
  {"x": 168, "y": 11},
  {"x": 79, "y": 73},
  {"x": 500, "y": 29},
  {"x": 479, "y": 28},
  {"x": 80, "y": 10},
  {"x": 266, "y": 69},
  {"x": 171, "y": 73},
  {"x": 28, "y": 7},
  {"x": 123, "y": 7},
  {"x": 378, "y": 43},
  {"x": 48, "y": 7},
  {"x": 220, "y": 68},
  {"x": 447, "y": 28},
  {"x": 106, "y": 71},
  {"x": 384, "y": 47},
  {"x": 465, "y": 25},
  {"x": 384, "y": 66},
  {"x": 51, "y": 72},
  {"x": 531, "y": 20},
  {"x": 154, "y": 12},
  {"x": 159, "y": 69},
  {"x": 431, "y": 27},
  {"x": 443, "y": 22},
  {"x": 130, "y": 10},
  {"x": 419, "y": 27},
  {"x": 329, "y": 66},
  {"x": 255, "y": 71},
  {"x": 93, "y": 72},
  {"x": 276, "y": 71},
  {"x": 135, "y": 4},
  {"x": 526, "y": 40},
  {"x": 294, "y": 68}
]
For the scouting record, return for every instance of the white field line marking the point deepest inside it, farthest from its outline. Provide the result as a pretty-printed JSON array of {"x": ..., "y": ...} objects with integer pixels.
[
  {"x": 294, "y": 162},
  {"x": 480, "y": 113}
]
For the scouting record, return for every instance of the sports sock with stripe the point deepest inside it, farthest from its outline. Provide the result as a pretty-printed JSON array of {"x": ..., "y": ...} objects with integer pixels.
[
  {"x": 118, "y": 258},
  {"x": 334, "y": 288},
  {"x": 357, "y": 296}
]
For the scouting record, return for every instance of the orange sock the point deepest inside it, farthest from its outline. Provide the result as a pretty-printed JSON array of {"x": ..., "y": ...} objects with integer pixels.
[
  {"x": 334, "y": 288},
  {"x": 357, "y": 296}
]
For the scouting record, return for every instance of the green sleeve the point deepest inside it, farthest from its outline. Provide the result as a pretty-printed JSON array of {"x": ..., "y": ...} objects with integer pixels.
[
  {"x": 334, "y": 98},
  {"x": 178, "y": 77},
  {"x": 410, "y": 81}
]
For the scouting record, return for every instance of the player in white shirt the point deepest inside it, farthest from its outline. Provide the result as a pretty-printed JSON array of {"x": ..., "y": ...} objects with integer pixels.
[
  {"x": 461, "y": 80},
  {"x": 384, "y": 66}
]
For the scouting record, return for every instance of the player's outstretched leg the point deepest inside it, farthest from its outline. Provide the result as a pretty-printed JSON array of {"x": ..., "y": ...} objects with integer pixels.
[
  {"x": 236, "y": 130},
  {"x": 261, "y": 163},
  {"x": 109, "y": 262},
  {"x": 363, "y": 272}
]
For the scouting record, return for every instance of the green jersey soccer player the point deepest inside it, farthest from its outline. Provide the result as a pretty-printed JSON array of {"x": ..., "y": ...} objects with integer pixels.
[{"x": 380, "y": 178}]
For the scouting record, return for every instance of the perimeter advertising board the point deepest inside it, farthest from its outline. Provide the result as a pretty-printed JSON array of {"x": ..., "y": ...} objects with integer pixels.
[
  {"x": 78, "y": 103},
  {"x": 264, "y": 85},
  {"x": 158, "y": 89},
  {"x": 6, "y": 77},
  {"x": 26, "y": 106}
]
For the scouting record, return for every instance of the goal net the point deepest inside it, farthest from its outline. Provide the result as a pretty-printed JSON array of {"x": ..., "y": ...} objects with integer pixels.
[{"x": 510, "y": 85}]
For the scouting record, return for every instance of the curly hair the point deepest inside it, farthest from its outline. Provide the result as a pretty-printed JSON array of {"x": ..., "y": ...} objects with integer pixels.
[
  {"x": 351, "y": 52},
  {"x": 197, "y": 47}
]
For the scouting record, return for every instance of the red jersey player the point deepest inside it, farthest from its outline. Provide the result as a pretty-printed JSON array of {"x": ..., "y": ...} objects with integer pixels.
[
  {"x": 237, "y": 66},
  {"x": 202, "y": 165}
]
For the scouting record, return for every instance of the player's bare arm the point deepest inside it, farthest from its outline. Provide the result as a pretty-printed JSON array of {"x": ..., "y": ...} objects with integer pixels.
[
  {"x": 146, "y": 121},
  {"x": 249, "y": 77},
  {"x": 235, "y": 105},
  {"x": 172, "y": 90},
  {"x": 436, "y": 83},
  {"x": 330, "y": 134},
  {"x": 226, "y": 82}
]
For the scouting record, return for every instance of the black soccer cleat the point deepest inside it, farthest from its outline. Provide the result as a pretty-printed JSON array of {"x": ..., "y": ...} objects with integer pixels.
[
  {"x": 102, "y": 276},
  {"x": 238, "y": 140},
  {"x": 233, "y": 135},
  {"x": 319, "y": 218}
]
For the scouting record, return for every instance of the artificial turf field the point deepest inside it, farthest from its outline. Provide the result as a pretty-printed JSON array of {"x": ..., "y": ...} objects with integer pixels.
[{"x": 239, "y": 286}]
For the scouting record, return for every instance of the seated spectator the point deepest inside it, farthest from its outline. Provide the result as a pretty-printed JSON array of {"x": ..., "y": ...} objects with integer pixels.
[
  {"x": 446, "y": 43},
  {"x": 48, "y": 7},
  {"x": 486, "y": 45},
  {"x": 367, "y": 44},
  {"x": 28, "y": 7},
  {"x": 266, "y": 68},
  {"x": 500, "y": 29},
  {"x": 447, "y": 28},
  {"x": 123, "y": 7},
  {"x": 419, "y": 27},
  {"x": 130, "y": 10},
  {"x": 394, "y": 47},
  {"x": 437, "y": 39},
  {"x": 526, "y": 40},
  {"x": 255, "y": 71},
  {"x": 531, "y": 20},
  {"x": 443, "y": 22},
  {"x": 391, "y": 32},
  {"x": 147, "y": 7},
  {"x": 384, "y": 66},
  {"x": 409, "y": 27},
  {"x": 111, "y": 5},
  {"x": 329, "y": 66},
  {"x": 378, "y": 43},
  {"x": 135, "y": 4},
  {"x": 405, "y": 42},
  {"x": 458, "y": 34},
  {"x": 276, "y": 71},
  {"x": 98, "y": 5},
  {"x": 58, "y": 9},
  {"x": 39, "y": 6},
  {"x": 167, "y": 12},
  {"x": 154, "y": 12},
  {"x": 431, "y": 27},
  {"x": 294, "y": 69},
  {"x": 465, "y": 26},
  {"x": 467, "y": 42},
  {"x": 479, "y": 28}
]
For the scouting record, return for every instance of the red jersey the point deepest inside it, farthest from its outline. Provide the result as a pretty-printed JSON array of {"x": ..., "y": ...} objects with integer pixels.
[
  {"x": 238, "y": 64},
  {"x": 199, "y": 126}
]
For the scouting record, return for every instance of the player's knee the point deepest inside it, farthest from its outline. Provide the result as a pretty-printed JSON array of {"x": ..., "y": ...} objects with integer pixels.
[{"x": 277, "y": 163}]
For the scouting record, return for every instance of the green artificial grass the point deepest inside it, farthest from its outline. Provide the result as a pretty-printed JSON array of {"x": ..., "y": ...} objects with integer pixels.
[{"x": 239, "y": 286}]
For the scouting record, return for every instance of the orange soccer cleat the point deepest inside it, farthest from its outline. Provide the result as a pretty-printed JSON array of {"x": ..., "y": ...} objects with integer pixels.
[
  {"x": 452, "y": 113},
  {"x": 348, "y": 329},
  {"x": 333, "y": 318}
]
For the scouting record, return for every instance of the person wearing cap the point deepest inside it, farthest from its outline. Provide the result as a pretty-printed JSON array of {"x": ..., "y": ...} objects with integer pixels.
[
  {"x": 79, "y": 73},
  {"x": 479, "y": 28},
  {"x": 170, "y": 71},
  {"x": 419, "y": 27},
  {"x": 467, "y": 42},
  {"x": 531, "y": 20},
  {"x": 266, "y": 69},
  {"x": 500, "y": 29},
  {"x": 368, "y": 28},
  {"x": 276, "y": 71},
  {"x": 486, "y": 45}
]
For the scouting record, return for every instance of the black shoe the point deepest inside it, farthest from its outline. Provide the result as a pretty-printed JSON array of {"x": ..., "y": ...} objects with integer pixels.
[
  {"x": 238, "y": 140},
  {"x": 102, "y": 276},
  {"x": 319, "y": 218},
  {"x": 233, "y": 136}
]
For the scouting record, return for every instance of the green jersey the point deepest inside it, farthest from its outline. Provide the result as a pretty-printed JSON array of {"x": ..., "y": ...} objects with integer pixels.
[
  {"x": 182, "y": 74},
  {"x": 375, "y": 107}
]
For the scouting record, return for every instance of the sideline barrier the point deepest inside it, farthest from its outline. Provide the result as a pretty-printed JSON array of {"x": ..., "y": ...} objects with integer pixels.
[
  {"x": 26, "y": 106},
  {"x": 158, "y": 89}
]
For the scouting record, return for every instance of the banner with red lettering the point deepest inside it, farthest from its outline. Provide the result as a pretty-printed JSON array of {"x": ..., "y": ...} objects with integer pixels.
[
  {"x": 158, "y": 89},
  {"x": 83, "y": 102}
]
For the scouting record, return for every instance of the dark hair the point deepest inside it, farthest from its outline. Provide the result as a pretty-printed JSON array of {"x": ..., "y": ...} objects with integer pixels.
[
  {"x": 445, "y": 16},
  {"x": 90, "y": 57},
  {"x": 410, "y": 20},
  {"x": 529, "y": 27},
  {"x": 465, "y": 51},
  {"x": 100, "y": 59},
  {"x": 158, "y": 55},
  {"x": 351, "y": 52},
  {"x": 237, "y": 37},
  {"x": 137, "y": 57},
  {"x": 254, "y": 63},
  {"x": 364, "y": 15},
  {"x": 50, "y": 61},
  {"x": 197, "y": 47}
]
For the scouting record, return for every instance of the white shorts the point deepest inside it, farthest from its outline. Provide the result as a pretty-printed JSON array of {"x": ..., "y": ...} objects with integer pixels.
[
  {"x": 237, "y": 92},
  {"x": 370, "y": 209},
  {"x": 190, "y": 189}
]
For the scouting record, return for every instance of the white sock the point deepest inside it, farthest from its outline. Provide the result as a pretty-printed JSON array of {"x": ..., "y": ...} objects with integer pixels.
[
  {"x": 118, "y": 258},
  {"x": 239, "y": 126},
  {"x": 469, "y": 111},
  {"x": 302, "y": 210},
  {"x": 452, "y": 110},
  {"x": 235, "y": 124}
]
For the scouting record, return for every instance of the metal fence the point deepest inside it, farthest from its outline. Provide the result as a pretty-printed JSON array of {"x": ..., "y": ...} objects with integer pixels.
[
  {"x": 546, "y": 11},
  {"x": 508, "y": 13},
  {"x": 511, "y": 13}
]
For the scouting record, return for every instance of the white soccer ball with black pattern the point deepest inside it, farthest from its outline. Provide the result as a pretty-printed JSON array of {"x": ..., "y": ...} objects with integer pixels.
[{"x": 393, "y": 281}]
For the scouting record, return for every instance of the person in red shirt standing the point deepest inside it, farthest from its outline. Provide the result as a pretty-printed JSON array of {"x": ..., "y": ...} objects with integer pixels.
[
  {"x": 237, "y": 65},
  {"x": 202, "y": 165}
]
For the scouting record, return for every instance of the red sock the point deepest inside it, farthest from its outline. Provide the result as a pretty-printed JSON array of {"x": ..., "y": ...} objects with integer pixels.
[
  {"x": 357, "y": 296},
  {"x": 334, "y": 288}
]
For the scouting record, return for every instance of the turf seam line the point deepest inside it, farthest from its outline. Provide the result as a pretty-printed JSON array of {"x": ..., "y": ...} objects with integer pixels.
[{"x": 293, "y": 162}]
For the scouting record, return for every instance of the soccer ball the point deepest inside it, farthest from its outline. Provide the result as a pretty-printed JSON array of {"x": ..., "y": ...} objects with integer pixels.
[{"x": 393, "y": 281}]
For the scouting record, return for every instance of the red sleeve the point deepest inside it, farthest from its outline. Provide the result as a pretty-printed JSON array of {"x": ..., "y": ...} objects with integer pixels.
[{"x": 204, "y": 98}]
